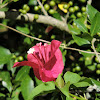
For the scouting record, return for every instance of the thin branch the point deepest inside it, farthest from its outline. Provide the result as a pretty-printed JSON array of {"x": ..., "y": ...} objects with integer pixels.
[
  {"x": 1, "y": 1},
  {"x": 62, "y": 45},
  {"x": 15, "y": 15},
  {"x": 78, "y": 50},
  {"x": 93, "y": 41},
  {"x": 6, "y": 4},
  {"x": 66, "y": 17},
  {"x": 24, "y": 34},
  {"x": 42, "y": 8},
  {"x": 89, "y": 2}
]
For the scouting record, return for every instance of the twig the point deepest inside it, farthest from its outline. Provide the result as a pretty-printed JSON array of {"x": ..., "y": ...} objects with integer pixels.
[
  {"x": 93, "y": 41},
  {"x": 24, "y": 34},
  {"x": 78, "y": 50},
  {"x": 5, "y": 4},
  {"x": 66, "y": 17},
  {"x": 89, "y": 2},
  {"x": 62, "y": 45},
  {"x": 42, "y": 8},
  {"x": 1, "y": 1}
]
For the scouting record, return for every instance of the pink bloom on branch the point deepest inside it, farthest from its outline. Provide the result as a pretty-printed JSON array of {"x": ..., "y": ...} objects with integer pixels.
[{"x": 46, "y": 61}]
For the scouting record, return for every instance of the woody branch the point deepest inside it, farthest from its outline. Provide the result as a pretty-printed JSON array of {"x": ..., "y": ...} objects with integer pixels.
[{"x": 14, "y": 15}]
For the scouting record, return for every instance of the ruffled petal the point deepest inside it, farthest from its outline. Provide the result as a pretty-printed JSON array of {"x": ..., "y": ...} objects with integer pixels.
[{"x": 54, "y": 46}]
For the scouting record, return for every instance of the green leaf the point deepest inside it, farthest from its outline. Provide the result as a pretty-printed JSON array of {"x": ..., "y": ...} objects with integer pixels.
[
  {"x": 81, "y": 84},
  {"x": 27, "y": 86},
  {"x": 92, "y": 67},
  {"x": 38, "y": 82},
  {"x": 44, "y": 87},
  {"x": 80, "y": 41},
  {"x": 57, "y": 16},
  {"x": 81, "y": 25},
  {"x": 73, "y": 30},
  {"x": 6, "y": 82},
  {"x": 24, "y": 29},
  {"x": 69, "y": 98},
  {"x": 32, "y": 2},
  {"x": 71, "y": 77},
  {"x": 15, "y": 0},
  {"x": 27, "y": 40},
  {"x": 95, "y": 82},
  {"x": 87, "y": 54},
  {"x": 59, "y": 81},
  {"x": 2, "y": 95},
  {"x": 9, "y": 66},
  {"x": 22, "y": 73},
  {"x": 65, "y": 89},
  {"x": 97, "y": 99},
  {"x": 15, "y": 94},
  {"x": 91, "y": 11},
  {"x": 5, "y": 55},
  {"x": 95, "y": 25}
]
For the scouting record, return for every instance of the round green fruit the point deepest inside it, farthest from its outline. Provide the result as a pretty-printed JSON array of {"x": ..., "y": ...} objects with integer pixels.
[
  {"x": 78, "y": 68},
  {"x": 24, "y": 11},
  {"x": 16, "y": 60},
  {"x": 20, "y": 58},
  {"x": 83, "y": 1},
  {"x": 51, "y": 11},
  {"x": 87, "y": 58},
  {"x": 66, "y": 6},
  {"x": 26, "y": 7},
  {"x": 36, "y": 16},
  {"x": 46, "y": 7},
  {"x": 52, "y": 3},
  {"x": 36, "y": 8},
  {"x": 53, "y": 37},
  {"x": 79, "y": 14},
  {"x": 20, "y": 10},
  {"x": 74, "y": 69},
  {"x": 70, "y": 3},
  {"x": 39, "y": 7},
  {"x": 83, "y": 9},
  {"x": 96, "y": 59},
  {"x": 98, "y": 72},
  {"x": 13, "y": 56},
  {"x": 71, "y": 9},
  {"x": 74, "y": 24},
  {"x": 98, "y": 65},
  {"x": 98, "y": 33},
  {"x": 76, "y": 8}
]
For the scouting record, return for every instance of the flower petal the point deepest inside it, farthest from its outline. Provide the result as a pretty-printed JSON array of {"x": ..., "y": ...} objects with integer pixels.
[
  {"x": 46, "y": 76},
  {"x": 55, "y": 64},
  {"x": 59, "y": 65},
  {"x": 54, "y": 46},
  {"x": 27, "y": 63}
]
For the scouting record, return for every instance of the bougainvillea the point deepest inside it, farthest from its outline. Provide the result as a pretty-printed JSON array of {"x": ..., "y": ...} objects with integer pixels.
[{"x": 46, "y": 61}]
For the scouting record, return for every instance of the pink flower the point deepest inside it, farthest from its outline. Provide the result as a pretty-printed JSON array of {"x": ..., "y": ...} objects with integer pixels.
[{"x": 46, "y": 61}]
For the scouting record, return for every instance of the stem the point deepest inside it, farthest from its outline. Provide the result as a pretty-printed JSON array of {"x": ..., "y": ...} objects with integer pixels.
[
  {"x": 93, "y": 41},
  {"x": 43, "y": 10},
  {"x": 75, "y": 96},
  {"x": 62, "y": 45},
  {"x": 5, "y": 4}
]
